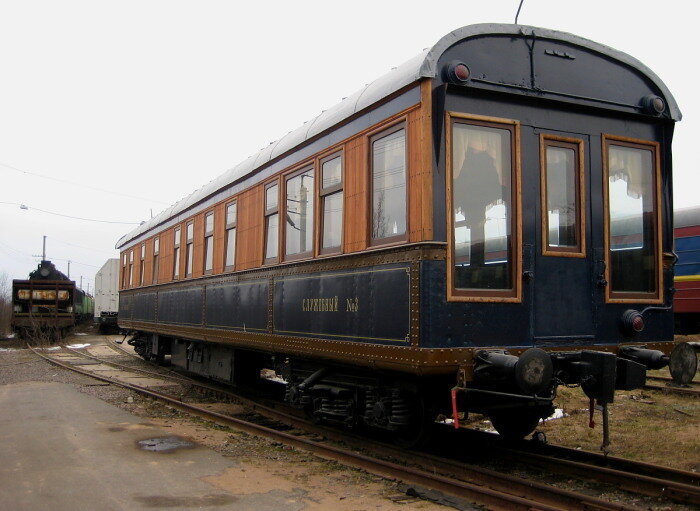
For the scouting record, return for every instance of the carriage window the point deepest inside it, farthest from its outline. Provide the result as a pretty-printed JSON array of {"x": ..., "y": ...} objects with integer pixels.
[
  {"x": 156, "y": 250},
  {"x": 271, "y": 223},
  {"x": 230, "y": 256},
  {"x": 562, "y": 182},
  {"x": 389, "y": 185},
  {"x": 176, "y": 254},
  {"x": 188, "y": 249},
  {"x": 331, "y": 204},
  {"x": 483, "y": 219},
  {"x": 633, "y": 238},
  {"x": 208, "y": 242},
  {"x": 131, "y": 268},
  {"x": 143, "y": 262},
  {"x": 299, "y": 219}
]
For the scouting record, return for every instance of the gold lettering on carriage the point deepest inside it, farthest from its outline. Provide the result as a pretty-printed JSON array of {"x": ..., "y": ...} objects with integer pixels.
[
  {"x": 329, "y": 304},
  {"x": 320, "y": 304}
]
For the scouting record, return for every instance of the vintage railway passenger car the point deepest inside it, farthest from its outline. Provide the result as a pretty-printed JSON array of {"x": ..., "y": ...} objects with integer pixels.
[
  {"x": 48, "y": 302},
  {"x": 485, "y": 222},
  {"x": 687, "y": 270}
]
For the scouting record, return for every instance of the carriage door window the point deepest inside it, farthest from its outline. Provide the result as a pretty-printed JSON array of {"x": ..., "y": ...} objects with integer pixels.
[
  {"x": 188, "y": 249},
  {"x": 176, "y": 254},
  {"x": 299, "y": 218},
  {"x": 633, "y": 224},
  {"x": 156, "y": 251},
  {"x": 482, "y": 181},
  {"x": 271, "y": 223},
  {"x": 389, "y": 186},
  {"x": 208, "y": 242},
  {"x": 563, "y": 221},
  {"x": 331, "y": 204},
  {"x": 230, "y": 256}
]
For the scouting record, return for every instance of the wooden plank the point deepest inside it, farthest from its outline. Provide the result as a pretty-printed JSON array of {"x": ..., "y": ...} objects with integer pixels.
[
  {"x": 355, "y": 219},
  {"x": 426, "y": 142},
  {"x": 219, "y": 237},
  {"x": 415, "y": 176},
  {"x": 249, "y": 242},
  {"x": 198, "y": 256}
]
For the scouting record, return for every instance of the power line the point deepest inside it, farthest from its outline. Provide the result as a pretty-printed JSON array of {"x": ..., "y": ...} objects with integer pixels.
[
  {"x": 24, "y": 206},
  {"x": 51, "y": 178},
  {"x": 81, "y": 246}
]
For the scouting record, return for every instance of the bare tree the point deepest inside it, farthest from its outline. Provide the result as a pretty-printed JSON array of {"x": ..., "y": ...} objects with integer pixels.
[{"x": 5, "y": 304}]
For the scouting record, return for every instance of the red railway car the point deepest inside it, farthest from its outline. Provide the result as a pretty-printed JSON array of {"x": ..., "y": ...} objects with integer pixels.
[{"x": 687, "y": 271}]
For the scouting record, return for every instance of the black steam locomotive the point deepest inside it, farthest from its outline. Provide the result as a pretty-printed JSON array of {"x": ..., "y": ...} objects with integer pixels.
[
  {"x": 486, "y": 222},
  {"x": 48, "y": 303}
]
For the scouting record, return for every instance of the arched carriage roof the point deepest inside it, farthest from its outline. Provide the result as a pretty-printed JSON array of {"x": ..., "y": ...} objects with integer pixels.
[{"x": 423, "y": 65}]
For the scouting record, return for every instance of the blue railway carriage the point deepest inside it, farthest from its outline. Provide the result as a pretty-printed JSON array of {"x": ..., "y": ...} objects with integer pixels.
[
  {"x": 687, "y": 271},
  {"x": 485, "y": 222}
]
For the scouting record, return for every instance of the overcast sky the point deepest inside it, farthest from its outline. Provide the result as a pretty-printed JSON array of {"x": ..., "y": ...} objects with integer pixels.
[{"x": 135, "y": 104}]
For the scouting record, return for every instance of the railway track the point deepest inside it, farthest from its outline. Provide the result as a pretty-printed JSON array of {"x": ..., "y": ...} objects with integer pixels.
[
  {"x": 635, "y": 477},
  {"x": 645, "y": 479},
  {"x": 669, "y": 387}
]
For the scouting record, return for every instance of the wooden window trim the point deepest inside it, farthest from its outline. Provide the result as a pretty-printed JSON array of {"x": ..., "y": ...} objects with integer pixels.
[
  {"x": 302, "y": 169},
  {"x": 478, "y": 295},
  {"x": 177, "y": 243},
  {"x": 267, "y": 213},
  {"x": 323, "y": 193},
  {"x": 189, "y": 253},
  {"x": 227, "y": 227},
  {"x": 372, "y": 137},
  {"x": 208, "y": 234},
  {"x": 577, "y": 145},
  {"x": 622, "y": 296}
]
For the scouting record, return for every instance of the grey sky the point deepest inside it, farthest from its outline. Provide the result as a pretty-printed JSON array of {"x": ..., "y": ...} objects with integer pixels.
[{"x": 155, "y": 98}]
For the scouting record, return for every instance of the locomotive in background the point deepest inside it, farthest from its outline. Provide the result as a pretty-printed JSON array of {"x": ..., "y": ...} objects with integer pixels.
[{"x": 48, "y": 303}]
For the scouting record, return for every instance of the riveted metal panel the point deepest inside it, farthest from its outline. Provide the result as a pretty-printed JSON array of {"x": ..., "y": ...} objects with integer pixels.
[{"x": 368, "y": 304}]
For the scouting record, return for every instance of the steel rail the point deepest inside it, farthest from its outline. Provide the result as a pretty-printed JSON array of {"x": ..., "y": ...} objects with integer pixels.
[
  {"x": 495, "y": 499},
  {"x": 634, "y": 476},
  {"x": 673, "y": 390}
]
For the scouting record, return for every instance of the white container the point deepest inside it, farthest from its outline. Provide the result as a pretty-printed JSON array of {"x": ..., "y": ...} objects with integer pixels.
[{"x": 107, "y": 288}]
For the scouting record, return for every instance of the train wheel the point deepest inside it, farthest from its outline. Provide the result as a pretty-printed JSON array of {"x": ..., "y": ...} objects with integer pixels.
[
  {"x": 417, "y": 433},
  {"x": 515, "y": 425}
]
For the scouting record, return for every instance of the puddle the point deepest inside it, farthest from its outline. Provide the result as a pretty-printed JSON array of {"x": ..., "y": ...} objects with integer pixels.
[
  {"x": 165, "y": 444},
  {"x": 9, "y": 349},
  {"x": 80, "y": 333},
  {"x": 77, "y": 346}
]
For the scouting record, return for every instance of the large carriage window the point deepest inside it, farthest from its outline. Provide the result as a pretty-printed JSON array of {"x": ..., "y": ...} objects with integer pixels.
[
  {"x": 331, "y": 193},
  {"x": 208, "y": 242},
  {"x": 299, "y": 219},
  {"x": 131, "y": 268},
  {"x": 482, "y": 208},
  {"x": 271, "y": 223},
  {"x": 188, "y": 249},
  {"x": 143, "y": 263},
  {"x": 389, "y": 185},
  {"x": 176, "y": 254},
  {"x": 633, "y": 238},
  {"x": 156, "y": 251},
  {"x": 562, "y": 182},
  {"x": 230, "y": 256}
]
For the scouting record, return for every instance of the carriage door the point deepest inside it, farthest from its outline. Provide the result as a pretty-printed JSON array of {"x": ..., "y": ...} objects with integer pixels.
[{"x": 563, "y": 303}]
